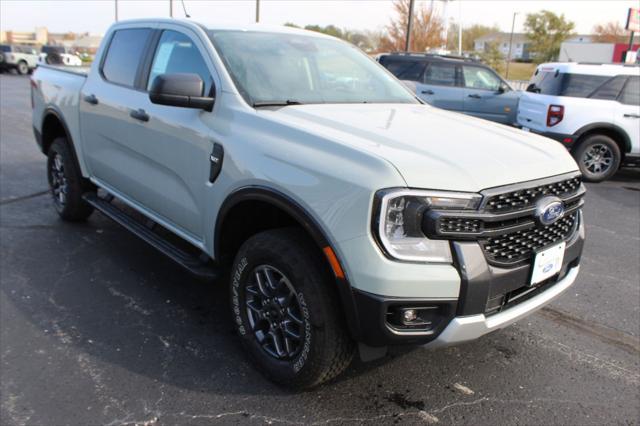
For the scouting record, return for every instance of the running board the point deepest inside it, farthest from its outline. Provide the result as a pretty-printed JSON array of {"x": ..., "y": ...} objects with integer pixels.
[{"x": 193, "y": 264}]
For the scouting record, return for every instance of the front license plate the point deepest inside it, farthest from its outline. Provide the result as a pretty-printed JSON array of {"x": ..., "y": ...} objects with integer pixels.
[
  {"x": 547, "y": 263},
  {"x": 525, "y": 129}
]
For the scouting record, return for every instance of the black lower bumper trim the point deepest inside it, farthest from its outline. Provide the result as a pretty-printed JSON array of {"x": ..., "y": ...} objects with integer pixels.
[
  {"x": 376, "y": 330},
  {"x": 565, "y": 139}
]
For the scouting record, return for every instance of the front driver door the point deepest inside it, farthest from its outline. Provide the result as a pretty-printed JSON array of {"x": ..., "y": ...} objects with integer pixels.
[
  {"x": 176, "y": 142},
  {"x": 487, "y": 96}
]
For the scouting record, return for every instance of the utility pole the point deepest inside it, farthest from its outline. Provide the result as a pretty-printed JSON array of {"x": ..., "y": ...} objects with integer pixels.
[
  {"x": 513, "y": 23},
  {"x": 409, "y": 26},
  {"x": 460, "y": 28},
  {"x": 116, "y": 4},
  {"x": 170, "y": 8},
  {"x": 257, "y": 11}
]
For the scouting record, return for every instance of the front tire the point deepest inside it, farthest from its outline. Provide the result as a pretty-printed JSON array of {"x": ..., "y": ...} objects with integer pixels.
[
  {"x": 66, "y": 183},
  {"x": 598, "y": 157},
  {"x": 285, "y": 310}
]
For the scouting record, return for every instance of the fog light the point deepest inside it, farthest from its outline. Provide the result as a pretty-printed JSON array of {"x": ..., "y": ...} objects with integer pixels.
[{"x": 409, "y": 315}]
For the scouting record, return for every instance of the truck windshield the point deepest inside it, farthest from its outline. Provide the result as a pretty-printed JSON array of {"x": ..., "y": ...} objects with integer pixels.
[
  {"x": 5, "y": 48},
  {"x": 564, "y": 84},
  {"x": 289, "y": 69}
]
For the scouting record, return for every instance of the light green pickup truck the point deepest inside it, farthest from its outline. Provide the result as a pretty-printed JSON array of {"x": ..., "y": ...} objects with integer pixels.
[{"x": 347, "y": 214}]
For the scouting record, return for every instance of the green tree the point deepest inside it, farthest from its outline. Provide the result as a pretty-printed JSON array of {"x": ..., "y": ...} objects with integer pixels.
[
  {"x": 492, "y": 56},
  {"x": 546, "y": 32},
  {"x": 469, "y": 36}
]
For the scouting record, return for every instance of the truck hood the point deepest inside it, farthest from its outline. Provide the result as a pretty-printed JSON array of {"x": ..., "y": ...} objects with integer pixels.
[{"x": 433, "y": 148}]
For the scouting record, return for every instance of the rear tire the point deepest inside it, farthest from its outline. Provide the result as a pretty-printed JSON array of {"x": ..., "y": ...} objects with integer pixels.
[
  {"x": 280, "y": 289},
  {"x": 66, "y": 182},
  {"x": 598, "y": 157},
  {"x": 22, "y": 68}
]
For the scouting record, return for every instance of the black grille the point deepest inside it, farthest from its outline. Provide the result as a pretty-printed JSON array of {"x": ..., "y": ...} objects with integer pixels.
[
  {"x": 526, "y": 198},
  {"x": 518, "y": 246},
  {"x": 459, "y": 224}
]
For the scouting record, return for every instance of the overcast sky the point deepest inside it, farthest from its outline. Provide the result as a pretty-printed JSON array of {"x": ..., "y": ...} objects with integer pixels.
[{"x": 95, "y": 16}]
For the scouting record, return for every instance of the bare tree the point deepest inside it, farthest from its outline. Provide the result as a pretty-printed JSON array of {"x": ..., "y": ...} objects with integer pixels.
[
  {"x": 610, "y": 32},
  {"x": 426, "y": 31}
]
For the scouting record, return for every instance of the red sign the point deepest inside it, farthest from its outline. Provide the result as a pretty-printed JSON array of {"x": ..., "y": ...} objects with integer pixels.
[{"x": 633, "y": 20}]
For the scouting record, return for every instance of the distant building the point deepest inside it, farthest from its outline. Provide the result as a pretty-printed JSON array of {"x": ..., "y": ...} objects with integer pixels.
[
  {"x": 593, "y": 52},
  {"x": 37, "y": 38},
  {"x": 520, "y": 47},
  {"x": 83, "y": 43}
]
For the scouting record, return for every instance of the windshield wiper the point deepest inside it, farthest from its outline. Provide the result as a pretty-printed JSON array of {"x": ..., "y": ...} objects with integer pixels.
[{"x": 275, "y": 103}]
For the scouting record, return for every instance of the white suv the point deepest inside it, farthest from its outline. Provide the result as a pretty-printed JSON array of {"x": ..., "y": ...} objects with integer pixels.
[{"x": 593, "y": 109}]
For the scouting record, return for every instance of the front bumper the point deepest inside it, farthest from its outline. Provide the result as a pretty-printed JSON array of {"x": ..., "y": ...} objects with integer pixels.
[
  {"x": 463, "y": 329},
  {"x": 473, "y": 312}
]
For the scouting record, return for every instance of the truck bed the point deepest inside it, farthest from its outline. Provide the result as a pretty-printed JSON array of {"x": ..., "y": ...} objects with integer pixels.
[{"x": 82, "y": 71}]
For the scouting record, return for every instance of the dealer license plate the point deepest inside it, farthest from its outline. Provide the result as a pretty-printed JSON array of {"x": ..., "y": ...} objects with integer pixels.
[{"x": 547, "y": 263}]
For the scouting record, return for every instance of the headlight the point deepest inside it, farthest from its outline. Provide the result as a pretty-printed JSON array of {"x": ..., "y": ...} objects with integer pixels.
[{"x": 398, "y": 223}]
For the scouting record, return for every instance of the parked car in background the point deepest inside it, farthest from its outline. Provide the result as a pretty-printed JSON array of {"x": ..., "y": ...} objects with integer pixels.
[
  {"x": 455, "y": 83},
  {"x": 593, "y": 109},
  {"x": 23, "y": 59},
  {"x": 59, "y": 55}
]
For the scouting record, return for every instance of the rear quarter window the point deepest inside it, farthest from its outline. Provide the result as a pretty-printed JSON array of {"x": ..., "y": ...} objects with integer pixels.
[
  {"x": 564, "y": 84},
  {"x": 123, "y": 57},
  {"x": 610, "y": 90},
  {"x": 403, "y": 69}
]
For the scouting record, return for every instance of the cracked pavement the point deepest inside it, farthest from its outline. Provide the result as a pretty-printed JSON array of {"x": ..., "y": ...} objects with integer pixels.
[{"x": 98, "y": 328}]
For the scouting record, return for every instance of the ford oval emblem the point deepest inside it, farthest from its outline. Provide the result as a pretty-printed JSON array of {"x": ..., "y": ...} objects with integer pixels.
[{"x": 549, "y": 210}]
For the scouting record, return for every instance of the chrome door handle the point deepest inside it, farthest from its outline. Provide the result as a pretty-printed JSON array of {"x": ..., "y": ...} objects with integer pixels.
[
  {"x": 139, "y": 114},
  {"x": 632, "y": 115}
]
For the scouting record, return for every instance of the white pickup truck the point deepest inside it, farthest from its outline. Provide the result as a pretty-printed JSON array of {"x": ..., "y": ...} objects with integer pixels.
[{"x": 349, "y": 215}]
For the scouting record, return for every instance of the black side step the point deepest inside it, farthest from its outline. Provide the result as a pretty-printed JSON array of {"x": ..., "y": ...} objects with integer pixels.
[{"x": 193, "y": 264}]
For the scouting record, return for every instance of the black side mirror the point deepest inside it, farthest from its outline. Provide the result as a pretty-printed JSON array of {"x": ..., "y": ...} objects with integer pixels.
[{"x": 180, "y": 90}]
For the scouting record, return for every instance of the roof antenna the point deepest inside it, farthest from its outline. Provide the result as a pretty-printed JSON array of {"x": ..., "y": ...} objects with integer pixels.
[{"x": 185, "y": 10}]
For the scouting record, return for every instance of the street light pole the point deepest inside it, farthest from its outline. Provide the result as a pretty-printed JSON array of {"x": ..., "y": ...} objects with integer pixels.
[
  {"x": 513, "y": 23},
  {"x": 409, "y": 26},
  {"x": 460, "y": 28},
  {"x": 170, "y": 8},
  {"x": 257, "y": 10},
  {"x": 116, "y": 4}
]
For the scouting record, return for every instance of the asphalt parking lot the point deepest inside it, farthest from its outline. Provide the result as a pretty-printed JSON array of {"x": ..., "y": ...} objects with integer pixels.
[{"x": 98, "y": 328}]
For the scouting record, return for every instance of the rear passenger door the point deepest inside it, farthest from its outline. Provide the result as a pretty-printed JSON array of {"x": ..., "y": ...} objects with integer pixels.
[
  {"x": 441, "y": 86},
  {"x": 111, "y": 91},
  {"x": 627, "y": 112}
]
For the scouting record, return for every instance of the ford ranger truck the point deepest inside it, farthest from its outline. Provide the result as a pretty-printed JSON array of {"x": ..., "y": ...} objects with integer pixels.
[{"x": 348, "y": 215}]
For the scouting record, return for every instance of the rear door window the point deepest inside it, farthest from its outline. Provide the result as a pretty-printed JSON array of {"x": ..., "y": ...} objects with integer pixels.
[
  {"x": 405, "y": 69},
  {"x": 631, "y": 92},
  {"x": 441, "y": 74},
  {"x": 126, "y": 50},
  {"x": 610, "y": 90}
]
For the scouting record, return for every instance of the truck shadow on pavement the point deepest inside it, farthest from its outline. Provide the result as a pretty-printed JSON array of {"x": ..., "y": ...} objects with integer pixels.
[{"x": 100, "y": 291}]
